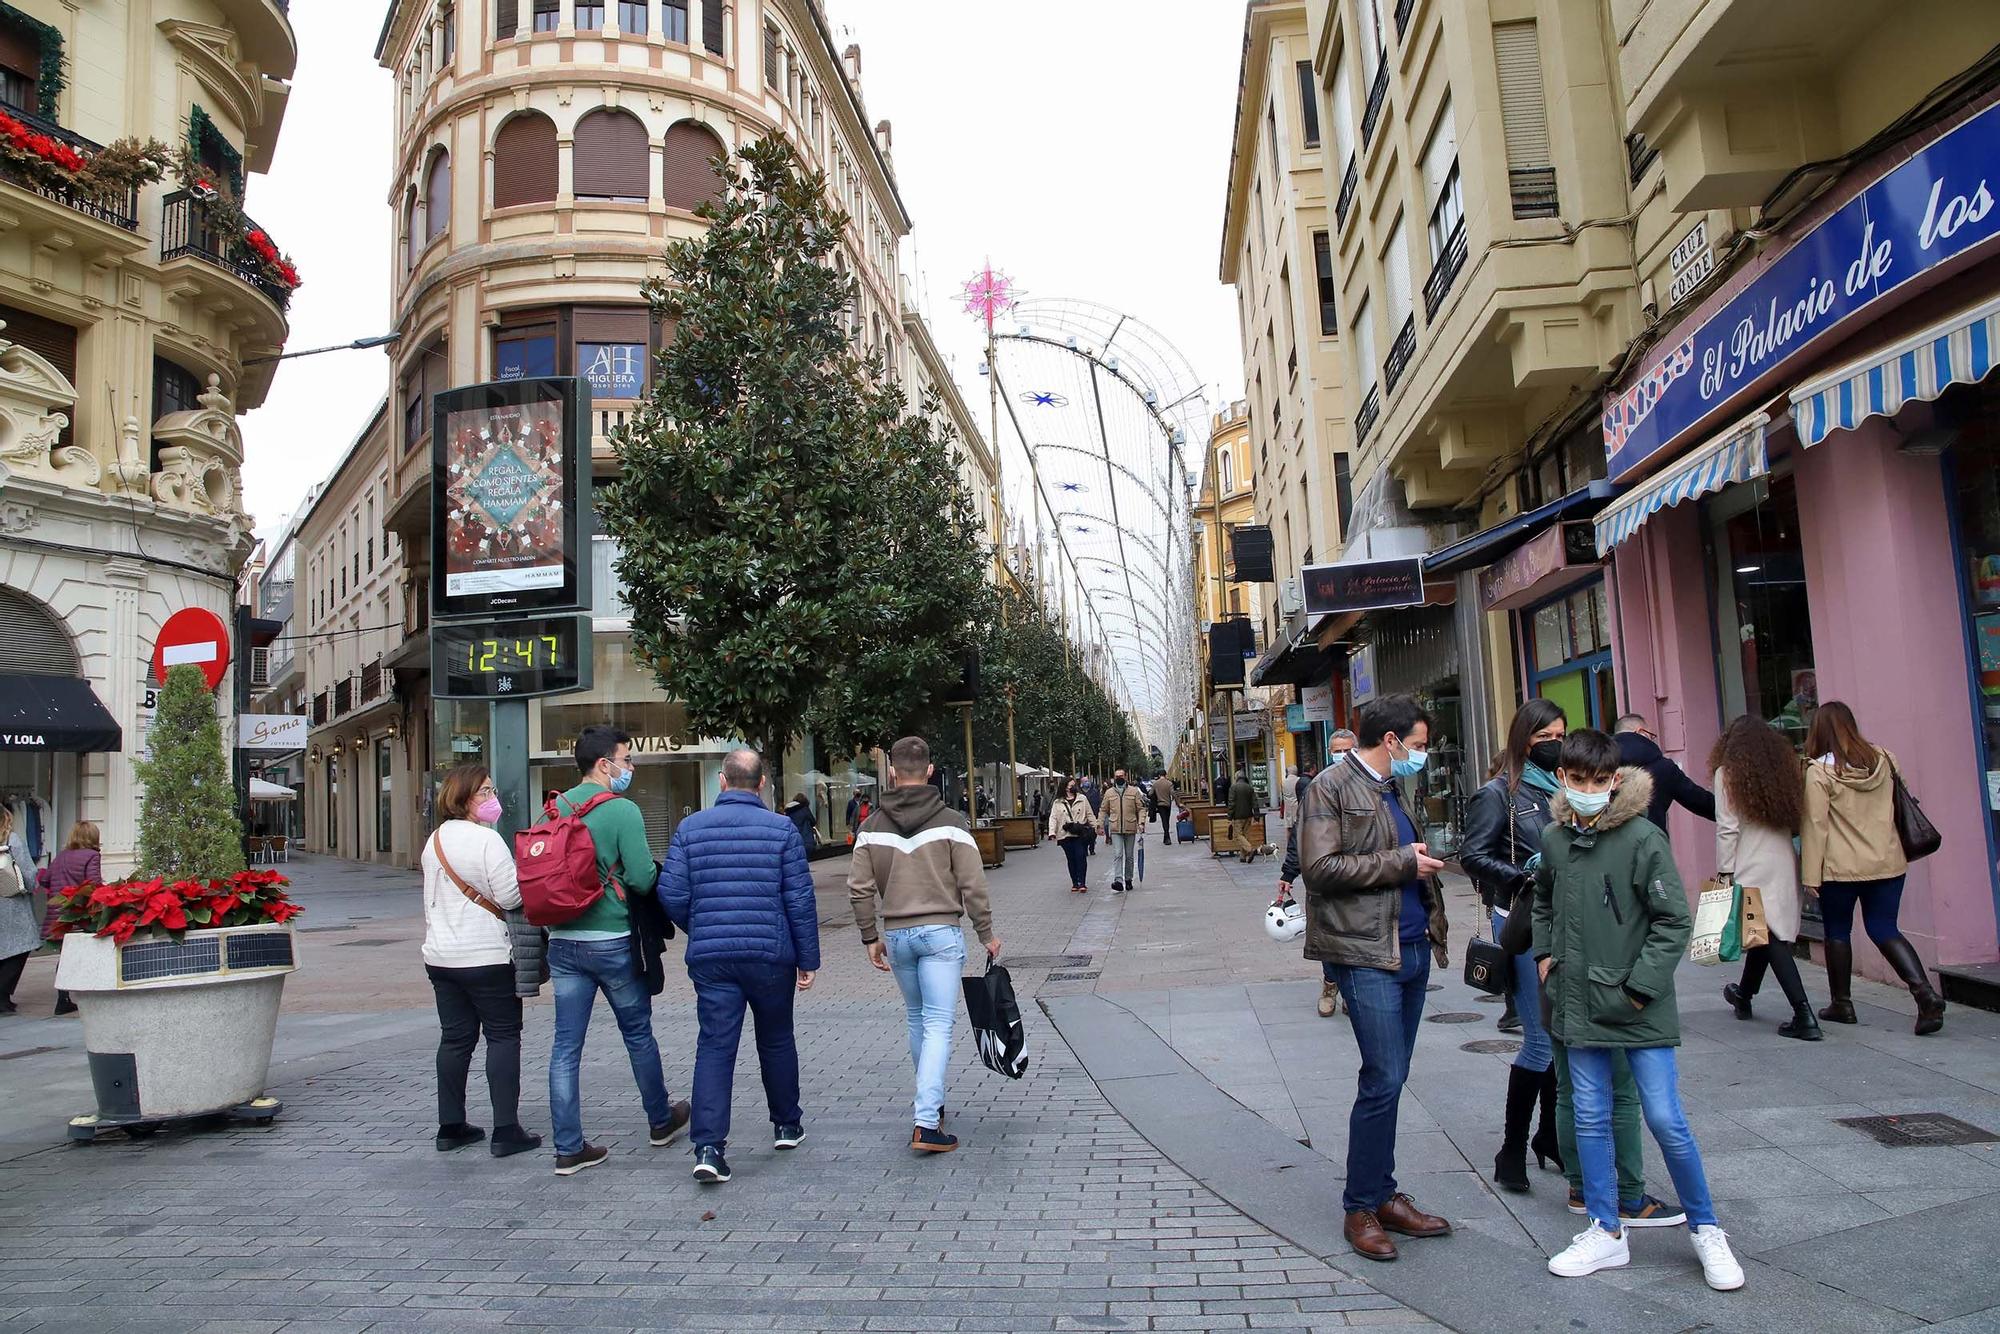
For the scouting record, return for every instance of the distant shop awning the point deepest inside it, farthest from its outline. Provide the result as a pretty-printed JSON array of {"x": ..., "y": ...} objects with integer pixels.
[
  {"x": 1485, "y": 547},
  {"x": 1735, "y": 455},
  {"x": 263, "y": 791},
  {"x": 1294, "y": 657},
  {"x": 1958, "y": 350},
  {"x": 55, "y": 713}
]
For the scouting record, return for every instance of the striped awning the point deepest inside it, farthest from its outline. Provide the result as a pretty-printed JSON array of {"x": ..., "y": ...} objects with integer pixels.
[
  {"x": 1958, "y": 350},
  {"x": 1736, "y": 455}
]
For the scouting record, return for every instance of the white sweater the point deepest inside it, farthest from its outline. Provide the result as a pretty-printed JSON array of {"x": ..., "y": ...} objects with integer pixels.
[{"x": 458, "y": 933}]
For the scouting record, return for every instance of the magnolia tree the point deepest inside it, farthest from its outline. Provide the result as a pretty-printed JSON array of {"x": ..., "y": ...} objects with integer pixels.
[
  {"x": 795, "y": 548},
  {"x": 188, "y": 828}
]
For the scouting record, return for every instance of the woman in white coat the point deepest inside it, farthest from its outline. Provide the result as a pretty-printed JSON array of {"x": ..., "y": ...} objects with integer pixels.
[
  {"x": 1759, "y": 804},
  {"x": 469, "y": 884}
]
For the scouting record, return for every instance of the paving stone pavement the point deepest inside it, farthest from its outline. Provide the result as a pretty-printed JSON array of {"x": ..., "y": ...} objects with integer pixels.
[{"x": 1054, "y": 1214}]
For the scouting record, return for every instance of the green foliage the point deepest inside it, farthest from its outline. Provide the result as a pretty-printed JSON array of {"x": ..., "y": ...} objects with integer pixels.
[
  {"x": 796, "y": 552},
  {"x": 188, "y": 828}
]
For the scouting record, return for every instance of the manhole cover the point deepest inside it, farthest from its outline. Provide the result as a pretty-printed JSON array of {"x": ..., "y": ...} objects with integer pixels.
[
  {"x": 1490, "y": 1000},
  {"x": 1455, "y": 1017},
  {"x": 1072, "y": 977},
  {"x": 1919, "y": 1130},
  {"x": 26, "y": 1051},
  {"x": 1046, "y": 960},
  {"x": 1490, "y": 1047}
]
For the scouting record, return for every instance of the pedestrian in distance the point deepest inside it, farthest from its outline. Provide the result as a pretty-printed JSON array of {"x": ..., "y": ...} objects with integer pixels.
[
  {"x": 20, "y": 933},
  {"x": 1124, "y": 817},
  {"x": 1503, "y": 835},
  {"x": 1759, "y": 806},
  {"x": 79, "y": 863},
  {"x": 1094, "y": 794},
  {"x": 1850, "y": 853},
  {"x": 917, "y": 870},
  {"x": 1295, "y": 792},
  {"x": 1221, "y": 789},
  {"x": 471, "y": 959},
  {"x": 1375, "y": 912},
  {"x": 1245, "y": 822},
  {"x": 1072, "y": 825},
  {"x": 1639, "y": 748},
  {"x": 799, "y": 812},
  {"x": 735, "y": 879},
  {"x": 1163, "y": 806},
  {"x": 1611, "y": 923},
  {"x": 593, "y": 953},
  {"x": 1338, "y": 744}
]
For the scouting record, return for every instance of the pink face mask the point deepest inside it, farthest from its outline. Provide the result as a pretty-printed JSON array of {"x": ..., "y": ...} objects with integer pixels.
[{"x": 487, "y": 811}]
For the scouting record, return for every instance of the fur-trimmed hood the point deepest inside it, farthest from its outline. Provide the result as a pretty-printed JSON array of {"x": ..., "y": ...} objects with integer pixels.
[{"x": 1629, "y": 800}]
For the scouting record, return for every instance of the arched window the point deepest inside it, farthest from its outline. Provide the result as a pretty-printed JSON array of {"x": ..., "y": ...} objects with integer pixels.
[
  {"x": 688, "y": 170},
  {"x": 437, "y": 196},
  {"x": 524, "y": 161},
  {"x": 33, "y": 638},
  {"x": 1228, "y": 474},
  {"x": 413, "y": 238},
  {"x": 611, "y": 158}
]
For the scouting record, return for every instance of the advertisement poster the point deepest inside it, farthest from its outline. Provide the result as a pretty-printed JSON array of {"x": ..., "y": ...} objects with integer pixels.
[{"x": 505, "y": 482}]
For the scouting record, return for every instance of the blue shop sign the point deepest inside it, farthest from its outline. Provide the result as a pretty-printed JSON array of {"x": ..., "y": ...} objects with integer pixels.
[{"x": 1932, "y": 207}]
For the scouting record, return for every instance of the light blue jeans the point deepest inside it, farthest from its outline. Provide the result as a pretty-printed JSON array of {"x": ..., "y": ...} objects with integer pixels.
[
  {"x": 1124, "y": 860},
  {"x": 579, "y": 969},
  {"x": 1656, "y": 1073},
  {"x": 927, "y": 962},
  {"x": 1537, "y": 1052}
]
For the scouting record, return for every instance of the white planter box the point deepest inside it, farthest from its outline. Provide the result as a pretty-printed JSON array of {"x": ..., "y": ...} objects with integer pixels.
[{"x": 178, "y": 1029}]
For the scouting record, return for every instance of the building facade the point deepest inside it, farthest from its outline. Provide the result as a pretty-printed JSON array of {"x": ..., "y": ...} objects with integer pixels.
[
  {"x": 139, "y": 321},
  {"x": 1239, "y": 730}
]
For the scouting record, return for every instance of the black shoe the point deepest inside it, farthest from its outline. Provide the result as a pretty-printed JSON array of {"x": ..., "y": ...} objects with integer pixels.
[
  {"x": 1734, "y": 995},
  {"x": 710, "y": 1167},
  {"x": 569, "y": 1164},
  {"x": 1510, "y": 1023},
  {"x": 8, "y": 1007},
  {"x": 1802, "y": 1026},
  {"x": 788, "y": 1136},
  {"x": 677, "y": 1119},
  {"x": 510, "y": 1140},
  {"x": 458, "y": 1136},
  {"x": 1117, "y": 886},
  {"x": 64, "y": 1005},
  {"x": 925, "y": 1140}
]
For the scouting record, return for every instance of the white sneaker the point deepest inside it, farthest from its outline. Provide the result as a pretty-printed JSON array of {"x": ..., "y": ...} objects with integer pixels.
[
  {"x": 1718, "y": 1265},
  {"x": 1591, "y": 1250}
]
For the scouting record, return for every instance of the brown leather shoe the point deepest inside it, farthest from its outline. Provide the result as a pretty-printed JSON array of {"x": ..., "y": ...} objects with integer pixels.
[
  {"x": 1400, "y": 1214},
  {"x": 1364, "y": 1233}
]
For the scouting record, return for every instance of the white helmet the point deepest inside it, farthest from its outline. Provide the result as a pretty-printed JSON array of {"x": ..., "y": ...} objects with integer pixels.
[{"x": 1284, "y": 922}]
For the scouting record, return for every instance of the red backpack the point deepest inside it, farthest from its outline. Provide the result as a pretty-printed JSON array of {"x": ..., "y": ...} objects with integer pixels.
[{"x": 556, "y": 862}]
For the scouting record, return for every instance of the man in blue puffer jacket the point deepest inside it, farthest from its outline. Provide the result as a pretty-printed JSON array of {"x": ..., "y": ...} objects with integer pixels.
[{"x": 735, "y": 880}]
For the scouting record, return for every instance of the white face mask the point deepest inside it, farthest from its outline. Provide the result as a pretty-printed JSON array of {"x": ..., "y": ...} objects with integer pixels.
[{"x": 1586, "y": 804}]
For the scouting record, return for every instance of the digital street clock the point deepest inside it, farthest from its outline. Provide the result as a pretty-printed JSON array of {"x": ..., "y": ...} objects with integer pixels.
[{"x": 546, "y": 655}]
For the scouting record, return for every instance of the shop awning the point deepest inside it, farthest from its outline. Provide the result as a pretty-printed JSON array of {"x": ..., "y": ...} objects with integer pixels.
[
  {"x": 1485, "y": 547},
  {"x": 1735, "y": 455},
  {"x": 1294, "y": 657},
  {"x": 54, "y": 713},
  {"x": 263, "y": 791},
  {"x": 1957, "y": 350}
]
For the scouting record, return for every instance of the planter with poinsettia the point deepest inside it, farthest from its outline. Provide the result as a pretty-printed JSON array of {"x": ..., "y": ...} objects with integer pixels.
[{"x": 179, "y": 983}]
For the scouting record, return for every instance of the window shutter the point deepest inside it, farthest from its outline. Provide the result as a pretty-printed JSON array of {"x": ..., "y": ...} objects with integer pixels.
[
  {"x": 1363, "y": 327},
  {"x": 711, "y": 26},
  {"x": 21, "y": 52},
  {"x": 613, "y": 324},
  {"x": 610, "y": 157},
  {"x": 33, "y": 642},
  {"x": 688, "y": 174},
  {"x": 1439, "y": 154},
  {"x": 1396, "y": 270},
  {"x": 508, "y": 17},
  {"x": 52, "y": 341},
  {"x": 437, "y": 197},
  {"x": 1524, "y": 116},
  {"x": 524, "y": 161}
]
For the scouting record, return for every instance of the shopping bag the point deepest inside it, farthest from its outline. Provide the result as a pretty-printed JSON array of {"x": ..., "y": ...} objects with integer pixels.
[
  {"x": 1713, "y": 912},
  {"x": 1754, "y": 930},
  {"x": 996, "y": 1022},
  {"x": 1730, "y": 948}
]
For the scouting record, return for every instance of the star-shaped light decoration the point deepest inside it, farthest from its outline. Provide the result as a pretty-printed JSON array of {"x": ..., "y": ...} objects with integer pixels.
[
  {"x": 1074, "y": 488},
  {"x": 989, "y": 295},
  {"x": 1042, "y": 399}
]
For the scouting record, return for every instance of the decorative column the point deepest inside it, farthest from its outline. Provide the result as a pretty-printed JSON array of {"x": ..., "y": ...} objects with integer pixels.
[{"x": 110, "y": 790}]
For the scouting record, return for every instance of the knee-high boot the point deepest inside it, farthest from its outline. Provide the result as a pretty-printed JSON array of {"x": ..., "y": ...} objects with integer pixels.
[
  {"x": 1902, "y": 956},
  {"x": 1510, "y": 1166},
  {"x": 1546, "y": 1143},
  {"x": 1839, "y": 983}
]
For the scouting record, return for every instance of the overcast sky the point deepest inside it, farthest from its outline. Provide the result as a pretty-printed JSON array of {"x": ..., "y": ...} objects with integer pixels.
[{"x": 1083, "y": 144}]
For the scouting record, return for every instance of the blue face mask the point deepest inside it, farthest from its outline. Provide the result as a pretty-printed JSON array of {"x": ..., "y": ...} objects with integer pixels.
[
  {"x": 1586, "y": 804},
  {"x": 1410, "y": 765},
  {"x": 622, "y": 780}
]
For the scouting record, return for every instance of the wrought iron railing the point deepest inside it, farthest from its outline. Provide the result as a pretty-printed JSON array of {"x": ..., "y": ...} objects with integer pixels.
[
  {"x": 372, "y": 681},
  {"x": 319, "y": 708},
  {"x": 1371, "y": 409},
  {"x": 118, "y": 209},
  {"x": 343, "y": 696},
  {"x": 1445, "y": 272},
  {"x": 1348, "y": 181},
  {"x": 186, "y": 229},
  {"x": 1534, "y": 192},
  {"x": 1378, "y": 93},
  {"x": 1403, "y": 8},
  {"x": 1400, "y": 352}
]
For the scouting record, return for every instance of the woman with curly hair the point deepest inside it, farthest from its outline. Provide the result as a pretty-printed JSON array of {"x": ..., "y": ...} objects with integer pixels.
[{"x": 1759, "y": 804}]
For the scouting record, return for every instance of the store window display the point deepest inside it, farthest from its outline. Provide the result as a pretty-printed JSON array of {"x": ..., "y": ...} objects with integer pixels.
[{"x": 1763, "y": 620}]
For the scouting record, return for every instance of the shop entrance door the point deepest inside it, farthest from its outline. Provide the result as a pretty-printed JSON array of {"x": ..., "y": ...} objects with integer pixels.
[{"x": 1569, "y": 656}]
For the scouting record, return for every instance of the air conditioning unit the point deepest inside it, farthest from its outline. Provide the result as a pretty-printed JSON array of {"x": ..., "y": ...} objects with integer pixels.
[
  {"x": 260, "y": 667},
  {"x": 1291, "y": 597}
]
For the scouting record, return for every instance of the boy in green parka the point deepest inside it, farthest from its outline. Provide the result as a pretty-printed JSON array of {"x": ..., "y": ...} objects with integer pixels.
[{"x": 1611, "y": 923}]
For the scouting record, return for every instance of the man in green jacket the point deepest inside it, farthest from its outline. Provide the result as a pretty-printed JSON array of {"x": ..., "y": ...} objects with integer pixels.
[
  {"x": 1243, "y": 818},
  {"x": 593, "y": 952},
  {"x": 1610, "y": 925}
]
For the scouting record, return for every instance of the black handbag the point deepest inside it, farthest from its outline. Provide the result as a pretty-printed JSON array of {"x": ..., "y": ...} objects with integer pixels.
[
  {"x": 1488, "y": 967},
  {"x": 1914, "y": 830}
]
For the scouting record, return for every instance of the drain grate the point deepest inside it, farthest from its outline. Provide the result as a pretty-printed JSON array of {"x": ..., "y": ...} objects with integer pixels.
[
  {"x": 1073, "y": 977},
  {"x": 1490, "y": 1047},
  {"x": 1918, "y": 1130},
  {"x": 1455, "y": 1017},
  {"x": 26, "y": 1051},
  {"x": 1046, "y": 960}
]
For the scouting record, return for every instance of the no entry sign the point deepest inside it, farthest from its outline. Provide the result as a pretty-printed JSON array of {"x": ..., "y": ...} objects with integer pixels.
[{"x": 194, "y": 638}]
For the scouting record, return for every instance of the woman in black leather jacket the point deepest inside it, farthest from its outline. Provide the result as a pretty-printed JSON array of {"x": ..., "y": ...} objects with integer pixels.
[{"x": 1503, "y": 830}]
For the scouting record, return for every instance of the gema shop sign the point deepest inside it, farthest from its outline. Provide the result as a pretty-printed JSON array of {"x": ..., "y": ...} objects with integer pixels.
[{"x": 1935, "y": 205}]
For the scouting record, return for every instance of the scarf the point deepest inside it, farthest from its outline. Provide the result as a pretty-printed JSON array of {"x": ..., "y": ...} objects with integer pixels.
[{"x": 1540, "y": 779}]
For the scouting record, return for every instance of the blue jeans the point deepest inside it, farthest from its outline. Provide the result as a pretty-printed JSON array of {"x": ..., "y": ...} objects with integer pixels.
[
  {"x": 1537, "y": 1052},
  {"x": 927, "y": 962},
  {"x": 1124, "y": 863},
  {"x": 1654, "y": 1071},
  {"x": 723, "y": 988},
  {"x": 1385, "y": 1009},
  {"x": 1074, "y": 854},
  {"x": 579, "y": 969},
  {"x": 1880, "y": 901}
]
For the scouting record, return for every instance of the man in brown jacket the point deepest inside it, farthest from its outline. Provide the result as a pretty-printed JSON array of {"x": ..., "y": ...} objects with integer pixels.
[
  {"x": 1124, "y": 816},
  {"x": 1163, "y": 806},
  {"x": 917, "y": 855}
]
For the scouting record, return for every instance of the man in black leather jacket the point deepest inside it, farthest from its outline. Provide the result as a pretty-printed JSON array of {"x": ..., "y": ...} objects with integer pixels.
[{"x": 1639, "y": 748}]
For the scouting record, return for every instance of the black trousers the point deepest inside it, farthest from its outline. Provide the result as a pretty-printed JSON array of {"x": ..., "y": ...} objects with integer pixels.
[
  {"x": 1776, "y": 956},
  {"x": 10, "y": 976},
  {"x": 1166, "y": 814},
  {"x": 469, "y": 1001}
]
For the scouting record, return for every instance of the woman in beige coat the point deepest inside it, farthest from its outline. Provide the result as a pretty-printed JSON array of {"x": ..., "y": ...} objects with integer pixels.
[
  {"x": 1851, "y": 854},
  {"x": 1759, "y": 801},
  {"x": 1073, "y": 827}
]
